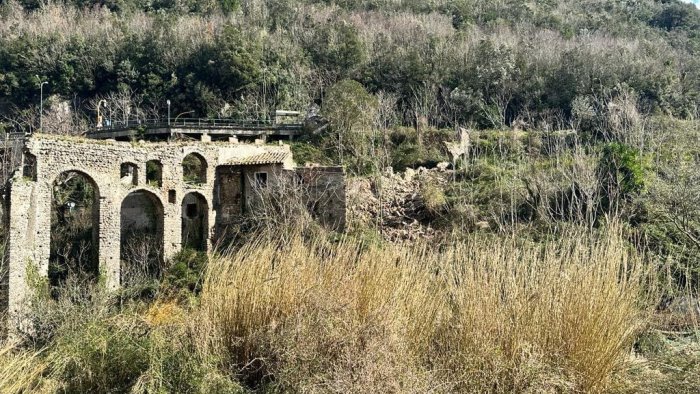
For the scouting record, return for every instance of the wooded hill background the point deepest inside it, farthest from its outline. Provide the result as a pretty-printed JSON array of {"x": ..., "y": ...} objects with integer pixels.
[{"x": 441, "y": 62}]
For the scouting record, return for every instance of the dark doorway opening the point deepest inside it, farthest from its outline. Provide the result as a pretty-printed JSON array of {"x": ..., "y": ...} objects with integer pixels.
[{"x": 195, "y": 222}]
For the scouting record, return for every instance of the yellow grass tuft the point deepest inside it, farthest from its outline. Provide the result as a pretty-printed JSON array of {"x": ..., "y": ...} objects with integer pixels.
[
  {"x": 20, "y": 371},
  {"x": 479, "y": 316},
  {"x": 164, "y": 312}
]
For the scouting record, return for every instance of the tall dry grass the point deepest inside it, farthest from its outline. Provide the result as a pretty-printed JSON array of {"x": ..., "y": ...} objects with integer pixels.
[
  {"x": 19, "y": 370},
  {"x": 316, "y": 315},
  {"x": 486, "y": 315}
]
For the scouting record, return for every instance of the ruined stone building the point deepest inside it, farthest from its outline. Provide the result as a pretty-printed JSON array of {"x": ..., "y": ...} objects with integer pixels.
[{"x": 191, "y": 191}]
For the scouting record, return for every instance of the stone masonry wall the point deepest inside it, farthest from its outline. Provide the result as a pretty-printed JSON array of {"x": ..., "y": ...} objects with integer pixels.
[
  {"x": 324, "y": 189},
  {"x": 29, "y": 216}
]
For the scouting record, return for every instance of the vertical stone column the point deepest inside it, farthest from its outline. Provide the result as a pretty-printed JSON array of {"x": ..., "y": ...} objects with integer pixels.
[
  {"x": 211, "y": 222},
  {"x": 208, "y": 193},
  {"x": 20, "y": 250},
  {"x": 142, "y": 172},
  {"x": 172, "y": 228},
  {"x": 110, "y": 240},
  {"x": 42, "y": 226}
]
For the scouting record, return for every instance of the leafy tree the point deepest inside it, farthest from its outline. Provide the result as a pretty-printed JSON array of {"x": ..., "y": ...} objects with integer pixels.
[
  {"x": 229, "y": 6},
  {"x": 350, "y": 110},
  {"x": 488, "y": 86},
  {"x": 220, "y": 71},
  {"x": 337, "y": 49},
  {"x": 285, "y": 53},
  {"x": 348, "y": 106},
  {"x": 677, "y": 16}
]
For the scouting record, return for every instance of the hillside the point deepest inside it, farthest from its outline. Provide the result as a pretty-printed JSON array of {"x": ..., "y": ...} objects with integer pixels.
[
  {"x": 522, "y": 188},
  {"x": 486, "y": 63}
]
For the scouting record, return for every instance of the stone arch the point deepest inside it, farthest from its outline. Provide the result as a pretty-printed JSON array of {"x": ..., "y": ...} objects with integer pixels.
[
  {"x": 74, "y": 227},
  {"x": 194, "y": 168},
  {"x": 195, "y": 221},
  {"x": 141, "y": 236},
  {"x": 129, "y": 174},
  {"x": 154, "y": 173}
]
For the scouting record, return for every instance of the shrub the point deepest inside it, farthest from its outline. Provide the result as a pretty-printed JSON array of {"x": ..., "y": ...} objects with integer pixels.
[
  {"x": 96, "y": 355},
  {"x": 176, "y": 365},
  {"x": 621, "y": 172},
  {"x": 186, "y": 271},
  {"x": 305, "y": 152},
  {"x": 408, "y": 152},
  {"x": 88, "y": 347},
  {"x": 86, "y": 342},
  {"x": 433, "y": 196}
]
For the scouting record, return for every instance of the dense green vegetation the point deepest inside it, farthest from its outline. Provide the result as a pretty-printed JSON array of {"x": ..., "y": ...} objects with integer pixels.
[
  {"x": 446, "y": 62},
  {"x": 583, "y": 131}
]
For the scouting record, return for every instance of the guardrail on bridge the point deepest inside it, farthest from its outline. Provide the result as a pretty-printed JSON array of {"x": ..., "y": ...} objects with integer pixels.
[{"x": 154, "y": 127}]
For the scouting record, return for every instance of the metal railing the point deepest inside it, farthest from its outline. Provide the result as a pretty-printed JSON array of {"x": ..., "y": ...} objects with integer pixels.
[
  {"x": 192, "y": 123},
  {"x": 181, "y": 122}
]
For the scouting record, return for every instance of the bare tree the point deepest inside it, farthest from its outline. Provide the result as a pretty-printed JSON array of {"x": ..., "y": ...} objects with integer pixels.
[
  {"x": 424, "y": 108},
  {"x": 63, "y": 117},
  {"x": 292, "y": 203},
  {"x": 142, "y": 259},
  {"x": 118, "y": 108}
]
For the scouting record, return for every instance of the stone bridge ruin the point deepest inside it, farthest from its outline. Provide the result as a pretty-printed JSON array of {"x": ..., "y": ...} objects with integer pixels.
[{"x": 181, "y": 193}]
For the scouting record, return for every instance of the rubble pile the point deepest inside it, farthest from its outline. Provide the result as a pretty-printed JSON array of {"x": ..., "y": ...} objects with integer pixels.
[{"x": 393, "y": 202}]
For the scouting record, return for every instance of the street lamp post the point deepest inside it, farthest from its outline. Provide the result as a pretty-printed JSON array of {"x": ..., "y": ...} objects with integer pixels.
[
  {"x": 168, "y": 112},
  {"x": 184, "y": 113},
  {"x": 41, "y": 102}
]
